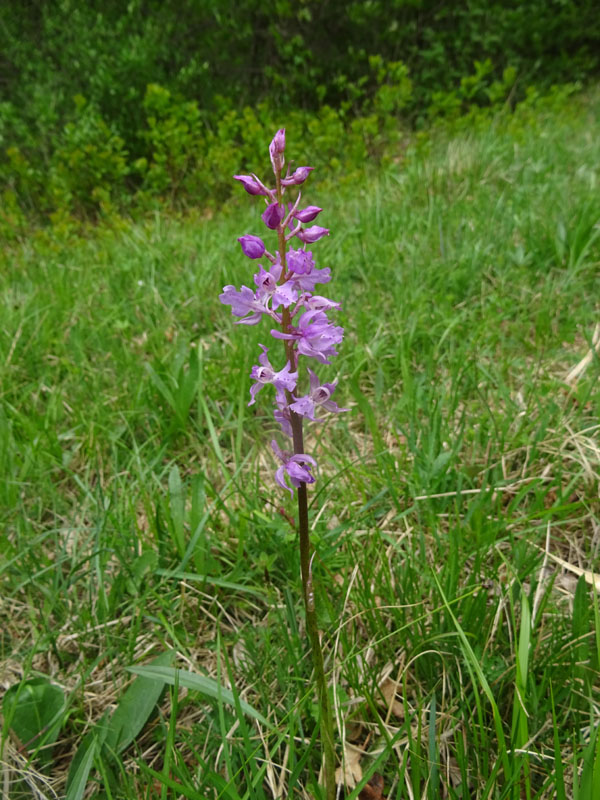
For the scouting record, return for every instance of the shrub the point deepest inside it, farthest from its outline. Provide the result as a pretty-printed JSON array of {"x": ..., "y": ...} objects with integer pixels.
[{"x": 89, "y": 166}]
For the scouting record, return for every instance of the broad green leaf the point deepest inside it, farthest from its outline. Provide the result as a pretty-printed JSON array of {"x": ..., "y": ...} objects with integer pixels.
[
  {"x": 199, "y": 683},
  {"x": 134, "y": 708},
  {"x": 115, "y": 733},
  {"x": 34, "y": 709}
]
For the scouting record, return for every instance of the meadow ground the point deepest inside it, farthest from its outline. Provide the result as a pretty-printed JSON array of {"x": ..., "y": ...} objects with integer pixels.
[{"x": 456, "y": 513}]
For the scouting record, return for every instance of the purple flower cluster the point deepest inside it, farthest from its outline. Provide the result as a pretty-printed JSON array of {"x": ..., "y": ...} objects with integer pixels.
[{"x": 284, "y": 293}]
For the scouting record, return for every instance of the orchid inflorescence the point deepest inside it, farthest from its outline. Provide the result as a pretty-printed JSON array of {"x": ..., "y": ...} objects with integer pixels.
[{"x": 285, "y": 293}]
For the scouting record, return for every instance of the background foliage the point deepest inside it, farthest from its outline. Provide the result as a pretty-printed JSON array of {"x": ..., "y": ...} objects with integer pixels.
[
  {"x": 110, "y": 106},
  {"x": 456, "y": 517}
]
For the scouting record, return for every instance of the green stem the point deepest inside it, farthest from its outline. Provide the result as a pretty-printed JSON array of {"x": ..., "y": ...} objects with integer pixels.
[{"x": 312, "y": 627}]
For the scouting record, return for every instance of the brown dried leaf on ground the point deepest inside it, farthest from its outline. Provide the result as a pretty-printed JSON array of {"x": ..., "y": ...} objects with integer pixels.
[
  {"x": 373, "y": 790},
  {"x": 350, "y": 773},
  {"x": 388, "y": 689}
]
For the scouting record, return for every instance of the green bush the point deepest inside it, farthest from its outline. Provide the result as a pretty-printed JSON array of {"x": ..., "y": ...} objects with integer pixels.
[
  {"x": 175, "y": 143},
  {"x": 170, "y": 106},
  {"x": 89, "y": 166}
]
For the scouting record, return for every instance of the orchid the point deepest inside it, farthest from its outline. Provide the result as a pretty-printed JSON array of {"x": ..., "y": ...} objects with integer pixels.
[
  {"x": 280, "y": 294},
  {"x": 285, "y": 379},
  {"x": 315, "y": 335},
  {"x": 318, "y": 397},
  {"x": 285, "y": 293},
  {"x": 297, "y": 467},
  {"x": 242, "y": 302}
]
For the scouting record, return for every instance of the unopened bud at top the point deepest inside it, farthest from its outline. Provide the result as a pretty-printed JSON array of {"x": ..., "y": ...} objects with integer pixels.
[{"x": 276, "y": 149}]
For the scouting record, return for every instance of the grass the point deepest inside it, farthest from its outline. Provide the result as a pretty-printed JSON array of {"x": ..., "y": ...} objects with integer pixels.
[{"x": 456, "y": 514}]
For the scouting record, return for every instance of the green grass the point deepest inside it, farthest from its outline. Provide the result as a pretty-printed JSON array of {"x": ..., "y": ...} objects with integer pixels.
[{"x": 140, "y": 516}]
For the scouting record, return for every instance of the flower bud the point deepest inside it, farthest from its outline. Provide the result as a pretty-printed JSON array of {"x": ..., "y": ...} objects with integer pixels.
[
  {"x": 307, "y": 214},
  {"x": 250, "y": 184},
  {"x": 252, "y": 246},
  {"x": 297, "y": 177},
  {"x": 312, "y": 234},
  {"x": 272, "y": 216},
  {"x": 276, "y": 149}
]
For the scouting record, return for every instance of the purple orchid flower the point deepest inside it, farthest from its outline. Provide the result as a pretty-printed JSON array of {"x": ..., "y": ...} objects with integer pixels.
[
  {"x": 283, "y": 294},
  {"x": 286, "y": 295},
  {"x": 307, "y": 283},
  {"x": 300, "y": 262},
  {"x": 243, "y": 302},
  {"x": 318, "y": 303},
  {"x": 284, "y": 380},
  {"x": 296, "y": 466},
  {"x": 319, "y": 396},
  {"x": 315, "y": 334}
]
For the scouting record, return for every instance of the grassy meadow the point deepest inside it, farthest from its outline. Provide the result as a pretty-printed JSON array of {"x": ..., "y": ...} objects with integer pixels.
[{"x": 456, "y": 514}]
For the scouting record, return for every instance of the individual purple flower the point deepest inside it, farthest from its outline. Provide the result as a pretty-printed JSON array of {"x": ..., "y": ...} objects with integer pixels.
[
  {"x": 272, "y": 216},
  {"x": 307, "y": 214},
  {"x": 307, "y": 283},
  {"x": 297, "y": 177},
  {"x": 252, "y": 246},
  {"x": 251, "y": 184},
  {"x": 312, "y": 234},
  {"x": 300, "y": 262},
  {"x": 319, "y": 396},
  {"x": 284, "y": 380},
  {"x": 305, "y": 275},
  {"x": 296, "y": 466},
  {"x": 319, "y": 303},
  {"x": 243, "y": 302},
  {"x": 283, "y": 294},
  {"x": 315, "y": 334},
  {"x": 276, "y": 149}
]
